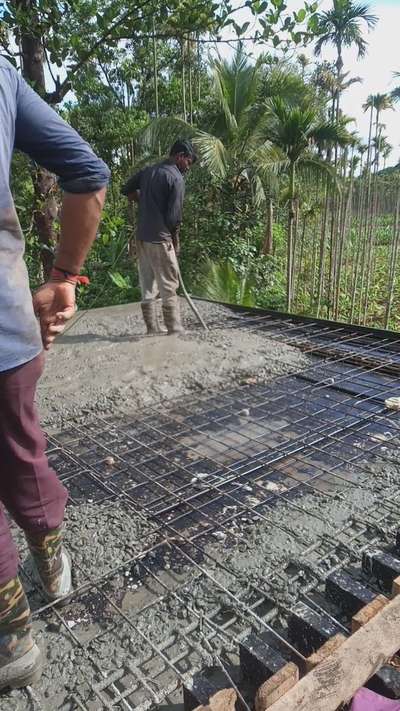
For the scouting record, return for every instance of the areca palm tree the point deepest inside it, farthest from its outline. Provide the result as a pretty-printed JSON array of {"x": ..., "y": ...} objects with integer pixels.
[
  {"x": 332, "y": 84},
  {"x": 342, "y": 26},
  {"x": 295, "y": 131},
  {"x": 379, "y": 103}
]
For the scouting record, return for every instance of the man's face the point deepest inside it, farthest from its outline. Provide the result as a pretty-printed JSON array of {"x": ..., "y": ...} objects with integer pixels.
[{"x": 183, "y": 162}]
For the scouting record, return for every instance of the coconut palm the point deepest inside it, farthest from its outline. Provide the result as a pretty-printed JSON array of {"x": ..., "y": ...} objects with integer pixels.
[
  {"x": 233, "y": 130},
  {"x": 342, "y": 26}
]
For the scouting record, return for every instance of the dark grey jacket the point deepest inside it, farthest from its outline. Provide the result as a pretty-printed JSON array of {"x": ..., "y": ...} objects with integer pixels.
[{"x": 162, "y": 190}]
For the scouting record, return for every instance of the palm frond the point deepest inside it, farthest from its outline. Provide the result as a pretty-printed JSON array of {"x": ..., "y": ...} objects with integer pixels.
[
  {"x": 161, "y": 133},
  {"x": 395, "y": 94},
  {"x": 236, "y": 86},
  {"x": 271, "y": 161},
  {"x": 341, "y": 25},
  {"x": 258, "y": 190},
  {"x": 319, "y": 167},
  {"x": 220, "y": 282},
  {"x": 212, "y": 153},
  {"x": 329, "y": 133}
]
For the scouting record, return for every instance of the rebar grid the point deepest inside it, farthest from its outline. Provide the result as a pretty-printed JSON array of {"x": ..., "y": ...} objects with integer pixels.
[{"x": 193, "y": 473}]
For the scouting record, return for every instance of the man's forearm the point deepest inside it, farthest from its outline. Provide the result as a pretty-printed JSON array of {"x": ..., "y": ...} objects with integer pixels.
[{"x": 80, "y": 217}]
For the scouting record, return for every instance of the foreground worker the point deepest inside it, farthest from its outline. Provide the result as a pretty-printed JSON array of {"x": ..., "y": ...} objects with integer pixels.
[
  {"x": 29, "y": 488},
  {"x": 159, "y": 190}
]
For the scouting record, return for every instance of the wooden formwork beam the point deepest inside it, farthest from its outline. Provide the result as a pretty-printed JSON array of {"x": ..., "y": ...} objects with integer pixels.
[{"x": 337, "y": 678}]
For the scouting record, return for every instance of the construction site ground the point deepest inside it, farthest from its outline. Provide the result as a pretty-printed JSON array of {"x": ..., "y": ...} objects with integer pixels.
[{"x": 215, "y": 479}]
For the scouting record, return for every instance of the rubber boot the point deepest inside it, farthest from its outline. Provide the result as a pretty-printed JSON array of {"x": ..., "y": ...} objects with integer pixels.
[
  {"x": 150, "y": 317},
  {"x": 159, "y": 317},
  {"x": 52, "y": 564},
  {"x": 20, "y": 658},
  {"x": 172, "y": 317}
]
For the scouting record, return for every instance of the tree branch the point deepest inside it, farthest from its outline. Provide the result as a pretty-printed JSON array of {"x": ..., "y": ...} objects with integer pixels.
[{"x": 65, "y": 86}]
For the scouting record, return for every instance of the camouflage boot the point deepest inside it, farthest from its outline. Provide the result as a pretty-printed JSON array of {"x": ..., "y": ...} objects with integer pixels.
[
  {"x": 20, "y": 658},
  {"x": 52, "y": 564}
]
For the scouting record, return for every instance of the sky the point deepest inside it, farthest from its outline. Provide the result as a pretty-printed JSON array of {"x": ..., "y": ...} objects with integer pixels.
[{"x": 376, "y": 69}]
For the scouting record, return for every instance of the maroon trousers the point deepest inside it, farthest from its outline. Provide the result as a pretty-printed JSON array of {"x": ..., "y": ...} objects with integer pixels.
[{"x": 29, "y": 488}]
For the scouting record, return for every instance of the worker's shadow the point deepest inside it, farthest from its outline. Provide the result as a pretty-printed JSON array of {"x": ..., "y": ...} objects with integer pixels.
[{"x": 95, "y": 337}]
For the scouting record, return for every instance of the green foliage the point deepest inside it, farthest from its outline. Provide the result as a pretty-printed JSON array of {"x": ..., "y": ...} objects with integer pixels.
[
  {"x": 269, "y": 134},
  {"x": 123, "y": 283},
  {"x": 220, "y": 282}
]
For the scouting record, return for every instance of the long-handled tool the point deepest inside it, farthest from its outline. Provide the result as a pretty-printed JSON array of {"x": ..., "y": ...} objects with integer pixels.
[{"x": 189, "y": 300}]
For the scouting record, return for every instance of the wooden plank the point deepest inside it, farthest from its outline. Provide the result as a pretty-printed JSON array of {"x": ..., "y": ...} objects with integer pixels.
[
  {"x": 396, "y": 587},
  {"x": 223, "y": 700},
  {"x": 338, "y": 677},
  {"x": 368, "y": 612},
  {"x": 325, "y": 651},
  {"x": 275, "y": 687}
]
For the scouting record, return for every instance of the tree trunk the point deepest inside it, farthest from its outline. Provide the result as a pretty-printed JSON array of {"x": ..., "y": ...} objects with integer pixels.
[
  {"x": 393, "y": 262},
  {"x": 373, "y": 222},
  {"x": 190, "y": 56},
  {"x": 268, "y": 244},
  {"x": 155, "y": 71},
  {"x": 198, "y": 69},
  {"x": 44, "y": 216},
  {"x": 183, "y": 81},
  {"x": 343, "y": 242},
  {"x": 322, "y": 251},
  {"x": 291, "y": 219},
  {"x": 44, "y": 183},
  {"x": 155, "y": 79},
  {"x": 368, "y": 213}
]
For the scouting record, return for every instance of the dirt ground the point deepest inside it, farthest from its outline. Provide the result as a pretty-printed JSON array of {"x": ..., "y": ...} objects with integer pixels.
[{"x": 106, "y": 364}]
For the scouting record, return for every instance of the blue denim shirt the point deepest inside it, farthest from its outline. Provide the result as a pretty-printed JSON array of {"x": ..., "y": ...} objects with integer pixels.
[{"x": 30, "y": 125}]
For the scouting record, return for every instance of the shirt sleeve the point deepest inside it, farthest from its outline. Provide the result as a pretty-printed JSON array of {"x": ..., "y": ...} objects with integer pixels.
[
  {"x": 173, "y": 217},
  {"x": 132, "y": 184},
  {"x": 52, "y": 143}
]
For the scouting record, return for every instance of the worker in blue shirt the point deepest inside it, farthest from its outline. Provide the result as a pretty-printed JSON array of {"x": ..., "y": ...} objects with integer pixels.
[{"x": 29, "y": 488}]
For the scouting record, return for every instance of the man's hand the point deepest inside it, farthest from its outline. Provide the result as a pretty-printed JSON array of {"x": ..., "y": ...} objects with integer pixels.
[{"x": 54, "y": 304}]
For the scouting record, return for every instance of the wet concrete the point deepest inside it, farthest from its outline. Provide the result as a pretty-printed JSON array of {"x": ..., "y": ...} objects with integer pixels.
[
  {"x": 92, "y": 643},
  {"x": 105, "y": 641},
  {"x": 106, "y": 364}
]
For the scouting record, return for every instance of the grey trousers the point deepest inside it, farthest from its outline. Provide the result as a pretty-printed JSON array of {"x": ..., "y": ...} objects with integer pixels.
[{"x": 158, "y": 271}]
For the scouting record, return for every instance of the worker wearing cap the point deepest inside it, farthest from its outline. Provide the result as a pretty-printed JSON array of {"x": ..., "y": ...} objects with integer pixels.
[
  {"x": 29, "y": 488},
  {"x": 159, "y": 190}
]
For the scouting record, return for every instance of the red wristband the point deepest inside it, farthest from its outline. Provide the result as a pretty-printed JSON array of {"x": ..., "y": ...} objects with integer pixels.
[{"x": 62, "y": 275}]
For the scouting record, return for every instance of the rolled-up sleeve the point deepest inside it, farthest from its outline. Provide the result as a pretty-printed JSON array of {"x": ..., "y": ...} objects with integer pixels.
[{"x": 52, "y": 143}]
